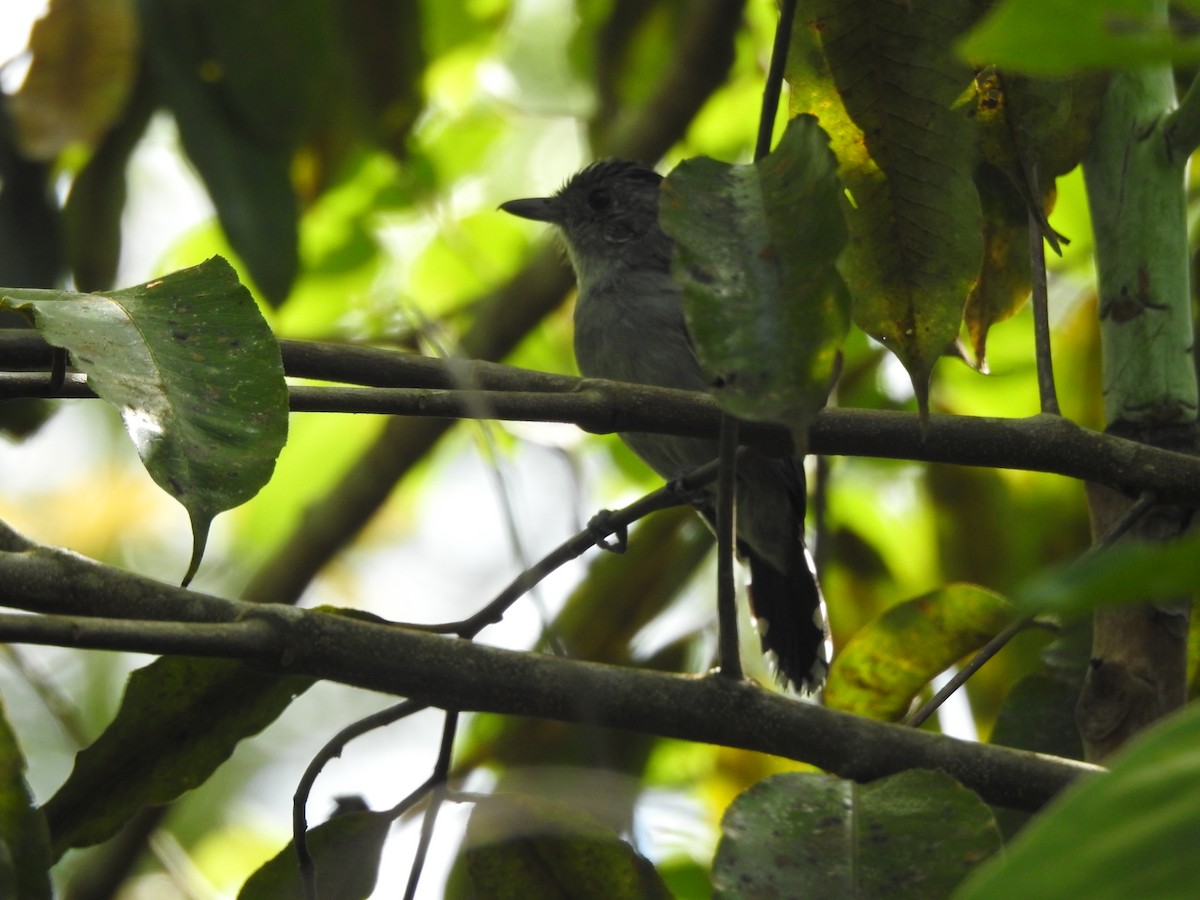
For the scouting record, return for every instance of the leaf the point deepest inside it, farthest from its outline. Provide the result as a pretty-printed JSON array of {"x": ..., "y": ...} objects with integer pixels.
[
  {"x": 24, "y": 839},
  {"x": 29, "y": 218},
  {"x": 346, "y": 852},
  {"x": 247, "y": 177},
  {"x": 194, "y": 370},
  {"x": 1055, "y": 37},
  {"x": 84, "y": 62},
  {"x": 805, "y": 835},
  {"x": 885, "y": 664},
  {"x": 383, "y": 49},
  {"x": 755, "y": 251},
  {"x": 92, "y": 213},
  {"x": 267, "y": 61},
  {"x": 520, "y": 846},
  {"x": 179, "y": 720},
  {"x": 880, "y": 77},
  {"x": 1004, "y": 280},
  {"x": 1130, "y": 832},
  {"x": 1130, "y": 572}
]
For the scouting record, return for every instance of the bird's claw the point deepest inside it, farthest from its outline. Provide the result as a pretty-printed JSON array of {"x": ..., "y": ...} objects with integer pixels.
[{"x": 613, "y": 538}]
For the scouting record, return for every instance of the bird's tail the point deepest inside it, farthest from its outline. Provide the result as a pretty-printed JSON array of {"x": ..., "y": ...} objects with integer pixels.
[{"x": 791, "y": 619}]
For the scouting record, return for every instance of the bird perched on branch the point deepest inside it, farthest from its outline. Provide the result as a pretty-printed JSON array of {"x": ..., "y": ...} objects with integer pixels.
[{"x": 630, "y": 326}]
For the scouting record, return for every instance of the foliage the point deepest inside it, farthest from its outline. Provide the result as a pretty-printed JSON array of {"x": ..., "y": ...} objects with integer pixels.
[{"x": 353, "y": 154}]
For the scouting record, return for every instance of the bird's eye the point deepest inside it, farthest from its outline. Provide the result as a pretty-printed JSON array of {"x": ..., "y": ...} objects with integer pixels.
[{"x": 599, "y": 200}]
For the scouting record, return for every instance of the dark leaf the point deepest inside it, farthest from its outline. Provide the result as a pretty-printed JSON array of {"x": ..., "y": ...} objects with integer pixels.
[
  {"x": 179, "y": 720},
  {"x": 912, "y": 835},
  {"x": 537, "y": 850},
  {"x": 24, "y": 839},
  {"x": 246, "y": 173},
  {"x": 346, "y": 852}
]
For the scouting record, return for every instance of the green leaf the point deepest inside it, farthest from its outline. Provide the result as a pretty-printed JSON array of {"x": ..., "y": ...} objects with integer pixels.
[
  {"x": 880, "y": 77},
  {"x": 1130, "y": 572},
  {"x": 194, "y": 370},
  {"x": 345, "y": 851},
  {"x": 1130, "y": 832},
  {"x": 179, "y": 720},
  {"x": 267, "y": 61},
  {"x": 885, "y": 664},
  {"x": 521, "y": 846},
  {"x": 92, "y": 213},
  {"x": 755, "y": 251},
  {"x": 246, "y": 175},
  {"x": 912, "y": 835},
  {"x": 1004, "y": 279},
  {"x": 24, "y": 839},
  {"x": 1055, "y": 37}
]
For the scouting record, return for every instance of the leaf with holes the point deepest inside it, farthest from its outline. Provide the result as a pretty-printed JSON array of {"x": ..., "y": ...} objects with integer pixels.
[{"x": 190, "y": 362}]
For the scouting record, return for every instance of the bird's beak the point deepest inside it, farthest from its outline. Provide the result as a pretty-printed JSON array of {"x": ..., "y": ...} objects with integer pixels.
[{"x": 540, "y": 209}]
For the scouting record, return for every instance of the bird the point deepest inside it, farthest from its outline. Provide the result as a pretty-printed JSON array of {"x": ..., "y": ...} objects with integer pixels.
[{"x": 630, "y": 326}]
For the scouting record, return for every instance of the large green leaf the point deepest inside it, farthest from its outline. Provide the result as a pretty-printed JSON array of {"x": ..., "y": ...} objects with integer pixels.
[
  {"x": 24, "y": 840},
  {"x": 1128, "y": 833},
  {"x": 885, "y": 664},
  {"x": 345, "y": 852},
  {"x": 246, "y": 174},
  {"x": 880, "y": 77},
  {"x": 1054, "y": 37},
  {"x": 179, "y": 720},
  {"x": 755, "y": 250},
  {"x": 912, "y": 835},
  {"x": 194, "y": 370}
]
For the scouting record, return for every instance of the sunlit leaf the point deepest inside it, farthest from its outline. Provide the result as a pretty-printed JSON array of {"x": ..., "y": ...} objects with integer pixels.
[
  {"x": 885, "y": 664},
  {"x": 755, "y": 250},
  {"x": 24, "y": 839},
  {"x": 179, "y": 720},
  {"x": 1127, "y": 833},
  {"x": 345, "y": 851},
  {"x": 195, "y": 372},
  {"x": 880, "y": 77},
  {"x": 84, "y": 61},
  {"x": 912, "y": 835}
]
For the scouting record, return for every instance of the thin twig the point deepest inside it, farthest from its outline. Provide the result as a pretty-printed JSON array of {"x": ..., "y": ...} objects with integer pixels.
[
  {"x": 332, "y": 749},
  {"x": 1041, "y": 313},
  {"x": 727, "y": 630},
  {"x": 441, "y": 771},
  {"x": 774, "y": 83},
  {"x": 598, "y": 531}
]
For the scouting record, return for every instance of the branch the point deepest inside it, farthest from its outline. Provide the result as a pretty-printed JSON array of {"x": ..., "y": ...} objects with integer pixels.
[
  {"x": 1037, "y": 444},
  {"x": 458, "y": 675}
]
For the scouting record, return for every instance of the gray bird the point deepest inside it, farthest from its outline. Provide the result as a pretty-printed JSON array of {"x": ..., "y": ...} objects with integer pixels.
[{"x": 629, "y": 326}]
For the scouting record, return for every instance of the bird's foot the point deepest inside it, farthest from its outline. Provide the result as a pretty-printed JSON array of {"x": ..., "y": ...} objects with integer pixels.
[{"x": 613, "y": 538}]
